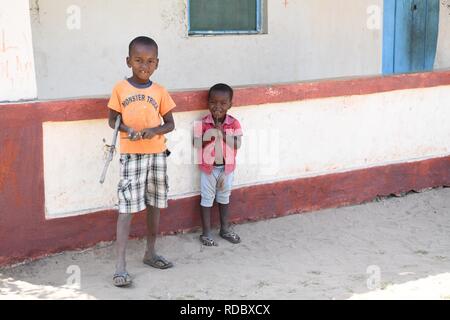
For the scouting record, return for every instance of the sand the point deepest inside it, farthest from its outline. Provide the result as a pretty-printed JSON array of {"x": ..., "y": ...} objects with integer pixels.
[{"x": 393, "y": 248}]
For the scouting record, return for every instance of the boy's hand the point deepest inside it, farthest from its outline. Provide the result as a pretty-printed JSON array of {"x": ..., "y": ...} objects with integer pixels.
[
  {"x": 219, "y": 134},
  {"x": 133, "y": 135},
  {"x": 220, "y": 131},
  {"x": 148, "y": 133},
  {"x": 219, "y": 126}
]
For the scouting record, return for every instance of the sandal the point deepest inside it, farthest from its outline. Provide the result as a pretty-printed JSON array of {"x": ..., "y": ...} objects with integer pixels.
[
  {"x": 158, "y": 262},
  {"x": 207, "y": 241},
  {"x": 230, "y": 236},
  {"x": 122, "y": 279}
]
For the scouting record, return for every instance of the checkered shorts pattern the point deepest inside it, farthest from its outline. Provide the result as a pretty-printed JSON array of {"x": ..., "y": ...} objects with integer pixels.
[{"x": 143, "y": 181}]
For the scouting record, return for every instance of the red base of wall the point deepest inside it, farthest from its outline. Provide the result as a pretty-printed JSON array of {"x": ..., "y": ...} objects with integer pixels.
[{"x": 31, "y": 236}]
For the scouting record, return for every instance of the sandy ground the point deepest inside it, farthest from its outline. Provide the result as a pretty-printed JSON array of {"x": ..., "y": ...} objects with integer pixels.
[{"x": 395, "y": 248}]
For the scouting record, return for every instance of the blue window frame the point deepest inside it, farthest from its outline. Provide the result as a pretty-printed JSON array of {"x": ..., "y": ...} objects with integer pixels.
[{"x": 209, "y": 17}]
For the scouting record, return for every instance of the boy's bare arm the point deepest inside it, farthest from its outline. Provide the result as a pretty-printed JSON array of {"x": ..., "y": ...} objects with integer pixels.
[
  {"x": 123, "y": 128},
  {"x": 231, "y": 140},
  {"x": 112, "y": 119},
  {"x": 168, "y": 126}
]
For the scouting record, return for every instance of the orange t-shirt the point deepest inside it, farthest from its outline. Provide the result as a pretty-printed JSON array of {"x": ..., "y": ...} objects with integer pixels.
[{"x": 141, "y": 108}]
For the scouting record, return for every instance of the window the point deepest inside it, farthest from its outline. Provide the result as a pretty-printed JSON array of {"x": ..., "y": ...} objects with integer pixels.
[{"x": 224, "y": 17}]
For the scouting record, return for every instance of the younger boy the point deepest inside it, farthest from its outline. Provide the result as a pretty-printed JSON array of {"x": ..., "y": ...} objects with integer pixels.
[
  {"x": 218, "y": 136},
  {"x": 143, "y": 179}
]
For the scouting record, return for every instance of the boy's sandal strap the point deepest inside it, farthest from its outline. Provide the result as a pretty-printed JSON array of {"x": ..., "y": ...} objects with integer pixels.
[{"x": 207, "y": 241}]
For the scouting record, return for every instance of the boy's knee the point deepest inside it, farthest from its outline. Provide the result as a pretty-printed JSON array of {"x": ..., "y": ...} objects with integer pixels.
[
  {"x": 152, "y": 210},
  {"x": 223, "y": 199},
  {"x": 207, "y": 202},
  {"x": 124, "y": 217}
]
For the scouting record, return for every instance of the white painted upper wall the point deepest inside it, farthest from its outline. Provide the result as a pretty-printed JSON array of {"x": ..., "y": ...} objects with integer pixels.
[
  {"x": 306, "y": 40},
  {"x": 17, "y": 76}
]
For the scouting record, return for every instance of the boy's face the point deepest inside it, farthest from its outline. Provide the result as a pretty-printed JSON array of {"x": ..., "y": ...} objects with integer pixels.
[
  {"x": 219, "y": 102},
  {"x": 143, "y": 61}
]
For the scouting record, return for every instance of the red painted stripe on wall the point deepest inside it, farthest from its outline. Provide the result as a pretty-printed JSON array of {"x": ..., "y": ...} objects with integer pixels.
[{"x": 95, "y": 108}]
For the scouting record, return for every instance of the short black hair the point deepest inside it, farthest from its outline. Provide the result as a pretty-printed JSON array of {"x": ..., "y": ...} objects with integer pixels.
[
  {"x": 146, "y": 41},
  {"x": 222, "y": 87}
]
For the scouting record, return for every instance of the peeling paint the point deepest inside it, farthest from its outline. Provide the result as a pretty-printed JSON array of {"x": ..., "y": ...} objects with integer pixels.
[
  {"x": 446, "y": 5},
  {"x": 35, "y": 11},
  {"x": 273, "y": 92},
  {"x": 174, "y": 15}
]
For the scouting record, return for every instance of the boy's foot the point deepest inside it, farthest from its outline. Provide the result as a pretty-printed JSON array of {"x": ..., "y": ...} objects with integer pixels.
[
  {"x": 207, "y": 241},
  {"x": 122, "y": 279},
  {"x": 230, "y": 236},
  {"x": 158, "y": 262}
]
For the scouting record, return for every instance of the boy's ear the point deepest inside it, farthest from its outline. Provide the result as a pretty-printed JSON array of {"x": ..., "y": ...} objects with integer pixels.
[
  {"x": 128, "y": 62},
  {"x": 157, "y": 63}
]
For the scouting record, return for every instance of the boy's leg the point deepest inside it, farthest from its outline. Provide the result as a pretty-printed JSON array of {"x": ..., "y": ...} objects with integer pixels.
[
  {"x": 128, "y": 185},
  {"x": 152, "y": 231},
  {"x": 223, "y": 211},
  {"x": 150, "y": 256},
  {"x": 223, "y": 199},
  {"x": 156, "y": 198},
  {"x": 225, "y": 230},
  {"x": 208, "y": 184},
  {"x": 206, "y": 221},
  {"x": 224, "y": 184},
  {"x": 123, "y": 231}
]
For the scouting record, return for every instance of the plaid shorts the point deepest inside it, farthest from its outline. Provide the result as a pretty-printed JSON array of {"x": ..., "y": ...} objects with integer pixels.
[{"x": 143, "y": 181}]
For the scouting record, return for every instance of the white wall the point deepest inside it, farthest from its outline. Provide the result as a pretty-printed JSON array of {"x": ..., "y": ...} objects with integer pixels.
[
  {"x": 17, "y": 76},
  {"x": 74, "y": 157},
  {"x": 281, "y": 141},
  {"x": 306, "y": 40}
]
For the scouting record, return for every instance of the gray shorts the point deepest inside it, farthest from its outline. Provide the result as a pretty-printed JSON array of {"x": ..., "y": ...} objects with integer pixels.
[
  {"x": 143, "y": 182},
  {"x": 215, "y": 185}
]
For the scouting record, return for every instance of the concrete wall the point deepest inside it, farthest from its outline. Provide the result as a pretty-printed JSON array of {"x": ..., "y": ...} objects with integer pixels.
[
  {"x": 333, "y": 143},
  {"x": 282, "y": 141},
  {"x": 17, "y": 77},
  {"x": 305, "y": 40},
  {"x": 443, "y": 49}
]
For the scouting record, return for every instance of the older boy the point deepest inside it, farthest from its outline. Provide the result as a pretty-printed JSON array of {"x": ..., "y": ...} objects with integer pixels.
[{"x": 143, "y": 179}]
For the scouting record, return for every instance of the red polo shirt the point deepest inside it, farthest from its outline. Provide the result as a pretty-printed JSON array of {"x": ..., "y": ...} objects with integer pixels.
[{"x": 207, "y": 154}]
